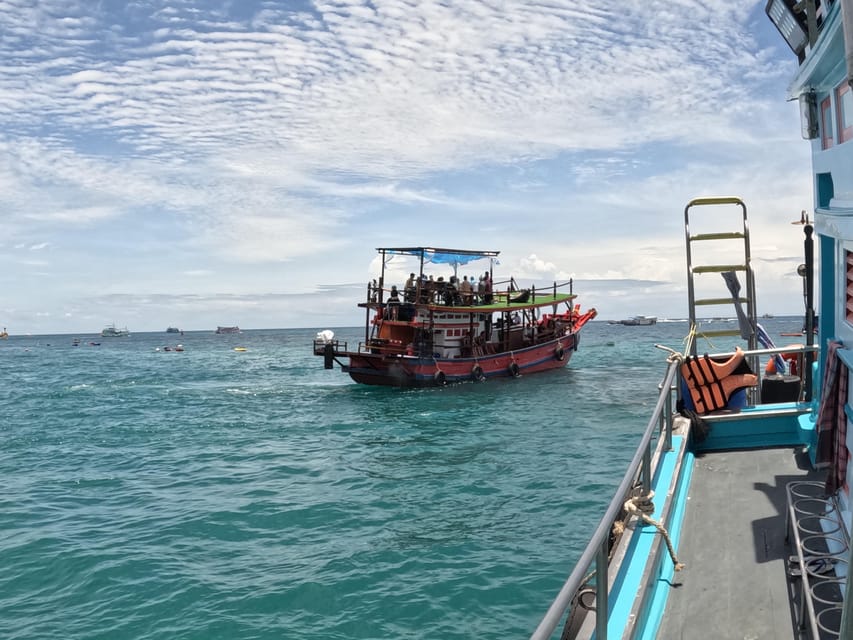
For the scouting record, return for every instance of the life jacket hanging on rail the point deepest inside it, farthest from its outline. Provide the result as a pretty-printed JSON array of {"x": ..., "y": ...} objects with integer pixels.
[{"x": 712, "y": 381}]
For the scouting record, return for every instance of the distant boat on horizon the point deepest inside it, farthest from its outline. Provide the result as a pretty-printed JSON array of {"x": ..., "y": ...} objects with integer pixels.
[
  {"x": 636, "y": 321},
  {"x": 173, "y": 330},
  {"x": 112, "y": 332},
  {"x": 227, "y": 329}
]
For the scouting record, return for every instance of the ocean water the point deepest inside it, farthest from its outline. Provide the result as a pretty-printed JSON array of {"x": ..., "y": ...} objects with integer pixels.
[{"x": 212, "y": 493}]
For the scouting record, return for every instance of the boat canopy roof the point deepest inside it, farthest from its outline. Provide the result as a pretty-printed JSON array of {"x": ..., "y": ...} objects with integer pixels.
[{"x": 440, "y": 256}]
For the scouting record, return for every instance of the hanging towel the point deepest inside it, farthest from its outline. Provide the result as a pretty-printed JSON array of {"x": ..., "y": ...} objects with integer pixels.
[{"x": 832, "y": 421}]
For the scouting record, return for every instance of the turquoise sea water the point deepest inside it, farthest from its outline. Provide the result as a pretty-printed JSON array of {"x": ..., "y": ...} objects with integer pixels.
[{"x": 211, "y": 493}]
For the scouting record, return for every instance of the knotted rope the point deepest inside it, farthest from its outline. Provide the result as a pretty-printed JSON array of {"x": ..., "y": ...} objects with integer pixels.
[{"x": 642, "y": 506}]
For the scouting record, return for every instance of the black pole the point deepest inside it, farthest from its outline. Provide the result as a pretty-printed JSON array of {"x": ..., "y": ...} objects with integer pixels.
[{"x": 809, "y": 290}]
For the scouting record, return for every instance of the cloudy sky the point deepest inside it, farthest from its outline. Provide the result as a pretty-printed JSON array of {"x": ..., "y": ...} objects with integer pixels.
[{"x": 209, "y": 162}]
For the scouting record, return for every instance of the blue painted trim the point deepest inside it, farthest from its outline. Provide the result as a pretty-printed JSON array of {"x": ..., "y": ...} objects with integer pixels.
[
  {"x": 765, "y": 431},
  {"x": 628, "y": 580},
  {"x": 660, "y": 595},
  {"x": 808, "y": 435}
]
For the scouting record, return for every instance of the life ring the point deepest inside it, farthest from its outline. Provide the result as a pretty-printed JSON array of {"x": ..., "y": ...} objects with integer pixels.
[
  {"x": 513, "y": 370},
  {"x": 439, "y": 378},
  {"x": 477, "y": 373},
  {"x": 559, "y": 352}
]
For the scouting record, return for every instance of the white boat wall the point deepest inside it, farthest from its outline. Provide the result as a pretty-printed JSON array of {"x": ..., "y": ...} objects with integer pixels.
[{"x": 733, "y": 519}]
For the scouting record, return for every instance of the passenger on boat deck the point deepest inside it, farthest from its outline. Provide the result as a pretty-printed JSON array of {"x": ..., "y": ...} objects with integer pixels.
[
  {"x": 465, "y": 290},
  {"x": 409, "y": 288},
  {"x": 440, "y": 284},
  {"x": 451, "y": 293},
  {"x": 393, "y": 308},
  {"x": 487, "y": 289},
  {"x": 425, "y": 289},
  {"x": 481, "y": 290}
]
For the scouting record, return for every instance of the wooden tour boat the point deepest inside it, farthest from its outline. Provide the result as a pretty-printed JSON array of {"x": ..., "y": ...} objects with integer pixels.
[{"x": 436, "y": 332}]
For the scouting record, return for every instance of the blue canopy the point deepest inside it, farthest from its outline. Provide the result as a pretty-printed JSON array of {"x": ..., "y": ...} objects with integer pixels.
[{"x": 442, "y": 256}]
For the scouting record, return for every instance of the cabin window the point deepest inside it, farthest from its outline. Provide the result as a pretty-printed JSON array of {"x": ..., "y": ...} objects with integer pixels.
[
  {"x": 844, "y": 105},
  {"x": 826, "y": 123},
  {"x": 848, "y": 255}
]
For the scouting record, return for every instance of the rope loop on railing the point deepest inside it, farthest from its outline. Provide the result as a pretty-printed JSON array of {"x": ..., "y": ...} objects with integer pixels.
[{"x": 642, "y": 507}]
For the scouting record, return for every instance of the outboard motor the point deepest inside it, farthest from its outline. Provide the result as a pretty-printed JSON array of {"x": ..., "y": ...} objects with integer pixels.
[{"x": 326, "y": 336}]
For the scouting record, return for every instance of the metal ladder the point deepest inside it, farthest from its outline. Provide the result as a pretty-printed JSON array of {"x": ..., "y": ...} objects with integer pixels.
[{"x": 744, "y": 299}]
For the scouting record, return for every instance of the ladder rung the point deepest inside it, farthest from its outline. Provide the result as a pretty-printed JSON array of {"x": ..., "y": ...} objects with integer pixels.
[
  {"x": 719, "y": 268},
  {"x": 718, "y": 332},
  {"x": 726, "y": 235},
  {"x": 720, "y": 301}
]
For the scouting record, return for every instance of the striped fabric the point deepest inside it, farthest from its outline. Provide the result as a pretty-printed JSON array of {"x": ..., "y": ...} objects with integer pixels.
[
  {"x": 832, "y": 421},
  {"x": 765, "y": 341}
]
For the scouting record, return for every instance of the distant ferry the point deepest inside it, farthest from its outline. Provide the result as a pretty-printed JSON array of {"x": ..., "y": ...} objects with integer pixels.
[
  {"x": 643, "y": 321},
  {"x": 112, "y": 332},
  {"x": 173, "y": 330},
  {"x": 227, "y": 329}
]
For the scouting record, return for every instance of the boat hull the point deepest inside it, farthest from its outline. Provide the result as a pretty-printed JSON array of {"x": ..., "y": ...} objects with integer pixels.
[{"x": 412, "y": 371}]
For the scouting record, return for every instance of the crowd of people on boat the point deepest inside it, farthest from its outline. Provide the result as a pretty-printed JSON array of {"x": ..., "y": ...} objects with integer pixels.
[{"x": 429, "y": 290}]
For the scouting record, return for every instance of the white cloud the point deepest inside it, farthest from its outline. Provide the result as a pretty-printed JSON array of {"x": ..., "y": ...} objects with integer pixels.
[{"x": 278, "y": 147}]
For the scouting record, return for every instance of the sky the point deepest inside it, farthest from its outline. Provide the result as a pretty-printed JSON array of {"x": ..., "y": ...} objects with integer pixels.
[{"x": 196, "y": 163}]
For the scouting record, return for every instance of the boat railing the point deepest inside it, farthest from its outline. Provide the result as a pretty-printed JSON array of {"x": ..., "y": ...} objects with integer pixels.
[
  {"x": 643, "y": 467},
  {"x": 513, "y": 290},
  {"x": 321, "y": 347}
]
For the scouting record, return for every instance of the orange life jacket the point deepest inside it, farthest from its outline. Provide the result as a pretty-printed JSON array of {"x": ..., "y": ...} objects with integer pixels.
[{"x": 711, "y": 383}]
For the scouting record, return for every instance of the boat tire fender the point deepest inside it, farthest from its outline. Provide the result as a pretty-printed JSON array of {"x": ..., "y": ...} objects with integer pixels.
[
  {"x": 513, "y": 370},
  {"x": 440, "y": 378},
  {"x": 477, "y": 373},
  {"x": 559, "y": 353}
]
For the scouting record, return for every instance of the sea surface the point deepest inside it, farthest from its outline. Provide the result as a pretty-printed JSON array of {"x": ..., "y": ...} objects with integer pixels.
[{"x": 214, "y": 493}]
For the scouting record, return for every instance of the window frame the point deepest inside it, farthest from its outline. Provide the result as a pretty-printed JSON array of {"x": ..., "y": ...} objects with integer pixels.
[
  {"x": 844, "y": 133},
  {"x": 826, "y": 141}
]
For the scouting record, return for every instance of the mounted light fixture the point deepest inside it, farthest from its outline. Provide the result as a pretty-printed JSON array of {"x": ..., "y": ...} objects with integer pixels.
[
  {"x": 808, "y": 115},
  {"x": 782, "y": 15}
]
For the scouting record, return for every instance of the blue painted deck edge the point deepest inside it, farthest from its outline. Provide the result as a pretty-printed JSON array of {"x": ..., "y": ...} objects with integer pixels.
[
  {"x": 651, "y": 622},
  {"x": 628, "y": 581}
]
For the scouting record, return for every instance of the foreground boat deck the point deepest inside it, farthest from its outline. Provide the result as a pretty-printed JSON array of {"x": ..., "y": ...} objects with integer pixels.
[{"x": 733, "y": 544}]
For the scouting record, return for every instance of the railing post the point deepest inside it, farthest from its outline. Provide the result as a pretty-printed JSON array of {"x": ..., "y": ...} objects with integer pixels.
[
  {"x": 601, "y": 604},
  {"x": 667, "y": 419}
]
